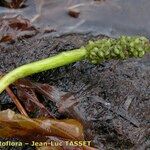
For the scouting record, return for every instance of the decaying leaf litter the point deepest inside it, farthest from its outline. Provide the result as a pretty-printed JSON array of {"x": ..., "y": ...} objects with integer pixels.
[{"x": 113, "y": 112}]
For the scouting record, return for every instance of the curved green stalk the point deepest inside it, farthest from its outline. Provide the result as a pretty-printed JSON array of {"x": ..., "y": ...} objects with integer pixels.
[
  {"x": 59, "y": 60},
  {"x": 95, "y": 51}
]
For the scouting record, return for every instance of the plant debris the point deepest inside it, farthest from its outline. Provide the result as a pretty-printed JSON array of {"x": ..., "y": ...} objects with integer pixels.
[
  {"x": 12, "y": 3},
  {"x": 28, "y": 93},
  {"x": 16, "y": 101},
  {"x": 43, "y": 127},
  {"x": 16, "y": 125},
  {"x": 16, "y": 27}
]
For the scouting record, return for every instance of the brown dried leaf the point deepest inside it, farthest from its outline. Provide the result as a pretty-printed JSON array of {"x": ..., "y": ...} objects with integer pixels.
[
  {"x": 26, "y": 94},
  {"x": 16, "y": 125},
  {"x": 32, "y": 103},
  {"x": 63, "y": 100},
  {"x": 27, "y": 89}
]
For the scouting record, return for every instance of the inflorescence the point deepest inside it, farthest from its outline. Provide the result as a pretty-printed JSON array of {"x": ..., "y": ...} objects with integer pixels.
[{"x": 121, "y": 48}]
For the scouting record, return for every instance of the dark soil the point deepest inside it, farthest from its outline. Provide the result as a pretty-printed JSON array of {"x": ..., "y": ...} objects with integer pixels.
[{"x": 114, "y": 96}]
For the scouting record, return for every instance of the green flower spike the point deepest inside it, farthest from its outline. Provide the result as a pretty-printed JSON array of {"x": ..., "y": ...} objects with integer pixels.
[{"x": 121, "y": 48}]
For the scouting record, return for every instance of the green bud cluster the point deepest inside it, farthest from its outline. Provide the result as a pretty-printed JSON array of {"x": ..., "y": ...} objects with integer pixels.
[{"x": 121, "y": 48}]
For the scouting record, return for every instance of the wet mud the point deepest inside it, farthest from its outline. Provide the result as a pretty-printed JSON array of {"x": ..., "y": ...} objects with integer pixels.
[{"x": 114, "y": 97}]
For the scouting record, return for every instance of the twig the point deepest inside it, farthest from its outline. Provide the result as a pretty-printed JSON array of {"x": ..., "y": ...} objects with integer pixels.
[{"x": 16, "y": 101}]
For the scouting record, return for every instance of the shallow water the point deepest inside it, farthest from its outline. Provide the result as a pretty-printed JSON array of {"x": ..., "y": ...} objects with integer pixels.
[{"x": 109, "y": 17}]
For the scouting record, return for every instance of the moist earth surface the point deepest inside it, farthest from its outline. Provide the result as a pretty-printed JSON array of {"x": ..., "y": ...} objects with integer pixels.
[{"x": 114, "y": 96}]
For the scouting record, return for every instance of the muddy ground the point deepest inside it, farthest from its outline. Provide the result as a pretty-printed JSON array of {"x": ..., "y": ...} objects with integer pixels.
[{"x": 114, "y": 96}]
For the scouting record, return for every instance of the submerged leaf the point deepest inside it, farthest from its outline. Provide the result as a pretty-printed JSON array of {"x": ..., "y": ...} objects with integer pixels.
[
  {"x": 12, "y": 3},
  {"x": 16, "y": 28}
]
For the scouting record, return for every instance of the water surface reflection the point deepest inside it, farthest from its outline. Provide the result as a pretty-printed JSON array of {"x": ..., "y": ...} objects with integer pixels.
[{"x": 109, "y": 17}]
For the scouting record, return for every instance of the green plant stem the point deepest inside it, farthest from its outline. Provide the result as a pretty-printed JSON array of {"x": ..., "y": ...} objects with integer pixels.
[{"x": 59, "y": 60}]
